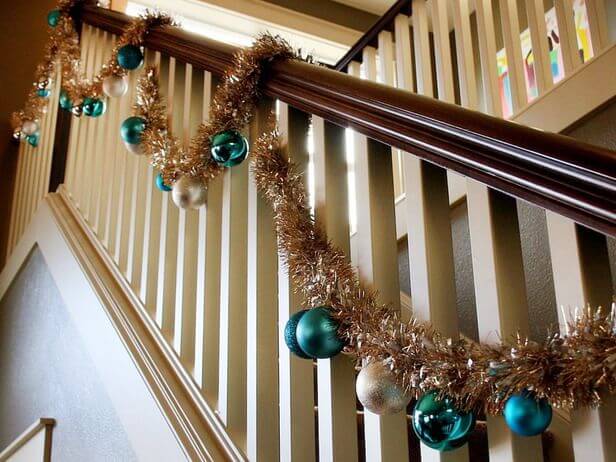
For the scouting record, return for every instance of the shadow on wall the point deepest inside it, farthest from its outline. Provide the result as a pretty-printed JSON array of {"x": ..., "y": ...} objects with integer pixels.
[{"x": 47, "y": 372}]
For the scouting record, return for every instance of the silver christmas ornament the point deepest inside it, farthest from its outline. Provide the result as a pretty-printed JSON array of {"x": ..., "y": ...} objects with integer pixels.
[
  {"x": 77, "y": 110},
  {"x": 115, "y": 86},
  {"x": 136, "y": 149},
  {"x": 189, "y": 193},
  {"x": 43, "y": 84},
  {"x": 378, "y": 390},
  {"x": 29, "y": 127}
]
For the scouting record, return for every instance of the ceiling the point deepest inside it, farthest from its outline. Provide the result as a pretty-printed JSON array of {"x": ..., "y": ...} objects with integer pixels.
[{"x": 378, "y": 7}]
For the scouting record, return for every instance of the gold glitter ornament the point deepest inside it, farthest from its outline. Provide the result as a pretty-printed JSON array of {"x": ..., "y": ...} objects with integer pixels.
[{"x": 378, "y": 391}]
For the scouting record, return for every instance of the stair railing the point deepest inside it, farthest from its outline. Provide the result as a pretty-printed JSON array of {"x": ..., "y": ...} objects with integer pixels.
[
  {"x": 495, "y": 57},
  {"x": 212, "y": 281}
]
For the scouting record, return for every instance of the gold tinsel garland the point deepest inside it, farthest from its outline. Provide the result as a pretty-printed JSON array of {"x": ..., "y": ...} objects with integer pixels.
[
  {"x": 232, "y": 108},
  {"x": 62, "y": 48},
  {"x": 568, "y": 370}
]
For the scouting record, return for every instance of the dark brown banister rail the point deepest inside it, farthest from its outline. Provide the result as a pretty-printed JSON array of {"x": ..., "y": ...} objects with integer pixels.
[
  {"x": 552, "y": 171},
  {"x": 371, "y": 37}
]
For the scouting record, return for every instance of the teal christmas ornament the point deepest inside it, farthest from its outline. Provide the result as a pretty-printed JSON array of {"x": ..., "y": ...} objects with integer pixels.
[
  {"x": 130, "y": 57},
  {"x": 229, "y": 148},
  {"x": 526, "y": 415},
  {"x": 65, "y": 101},
  {"x": 439, "y": 425},
  {"x": 53, "y": 18},
  {"x": 132, "y": 129},
  {"x": 43, "y": 92},
  {"x": 33, "y": 140},
  {"x": 160, "y": 183},
  {"x": 94, "y": 107},
  {"x": 317, "y": 333},
  {"x": 290, "y": 334}
]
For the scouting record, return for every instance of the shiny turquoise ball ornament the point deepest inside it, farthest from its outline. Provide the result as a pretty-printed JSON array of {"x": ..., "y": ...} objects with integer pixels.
[
  {"x": 132, "y": 129},
  {"x": 526, "y": 415},
  {"x": 43, "y": 92},
  {"x": 439, "y": 425},
  {"x": 33, "y": 140},
  {"x": 160, "y": 184},
  {"x": 94, "y": 107},
  {"x": 229, "y": 148},
  {"x": 130, "y": 57},
  {"x": 290, "y": 334},
  {"x": 65, "y": 101},
  {"x": 317, "y": 333},
  {"x": 53, "y": 18}
]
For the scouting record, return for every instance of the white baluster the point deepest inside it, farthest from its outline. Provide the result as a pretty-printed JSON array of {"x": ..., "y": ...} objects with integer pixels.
[
  {"x": 487, "y": 50},
  {"x": 188, "y": 234},
  {"x": 597, "y": 23},
  {"x": 377, "y": 260},
  {"x": 98, "y": 140},
  {"x": 262, "y": 414},
  {"x": 335, "y": 376},
  {"x": 233, "y": 278},
  {"x": 208, "y": 277},
  {"x": 567, "y": 34},
  {"x": 513, "y": 48},
  {"x": 297, "y": 433},
  {"x": 581, "y": 268},
  {"x": 151, "y": 234},
  {"x": 465, "y": 54},
  {"x": 502, "y": 310},
  {"x": 421, "y": 40},
  {"x": 442, "y": 51},
  {"x": 539, "y": 39},
  {"x": 91, "y": 134},
  {"x": 169, "y": 216},
  {"x": 126, "y": 199},
  {"x": 80, "y": 150},
  {"x": 106, "y": 173}
]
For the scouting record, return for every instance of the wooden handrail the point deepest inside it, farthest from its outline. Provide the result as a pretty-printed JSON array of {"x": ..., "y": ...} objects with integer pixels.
[
  {"x": 552, "y": 171},
  {"x": 371, "y": 37}
]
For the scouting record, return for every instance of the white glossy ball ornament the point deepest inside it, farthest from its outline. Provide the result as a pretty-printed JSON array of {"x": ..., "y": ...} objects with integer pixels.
[
  {"x": 136, "y": 149},
  {"x": 29, "y": 127},
  {"x": 378, "y": 390},
  {"x": 189, "y": 193},
  {"x": 115, "y": 86}
]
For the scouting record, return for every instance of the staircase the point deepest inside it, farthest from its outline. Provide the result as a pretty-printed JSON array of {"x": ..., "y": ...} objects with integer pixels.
[{"x": 413, "y": 115}]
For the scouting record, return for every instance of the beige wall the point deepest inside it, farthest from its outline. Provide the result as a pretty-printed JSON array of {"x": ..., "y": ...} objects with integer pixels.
[{"x": 23, "y": 30}]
